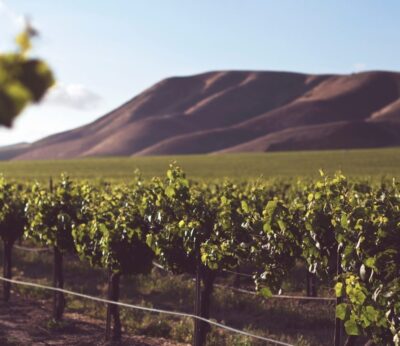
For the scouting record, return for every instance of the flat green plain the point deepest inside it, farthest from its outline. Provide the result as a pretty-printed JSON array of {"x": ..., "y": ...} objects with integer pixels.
[{"x": 371, "y": 164}]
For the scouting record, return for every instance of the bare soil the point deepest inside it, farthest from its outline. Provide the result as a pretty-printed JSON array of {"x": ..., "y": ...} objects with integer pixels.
[{"x": 27, "y": 322}]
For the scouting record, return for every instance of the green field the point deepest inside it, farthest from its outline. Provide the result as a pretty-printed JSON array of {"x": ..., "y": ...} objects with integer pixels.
[{"x": 372, "y": 164}]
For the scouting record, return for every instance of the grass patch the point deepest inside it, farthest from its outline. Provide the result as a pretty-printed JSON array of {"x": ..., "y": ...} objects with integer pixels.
[{"x": 367, "y": 163}]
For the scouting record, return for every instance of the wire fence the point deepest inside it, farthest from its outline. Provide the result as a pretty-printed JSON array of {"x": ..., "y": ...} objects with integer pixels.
[
  {"x": 168, "y": 312},
  {"x": 32, "y": 249},
  {"x": 238, "y": 273},
  {"x": 255, "y": 293},
  {"x": 277, "y": 296},
  {"x": 235, "y": 289},
  {"x": 143, "y": 308}
]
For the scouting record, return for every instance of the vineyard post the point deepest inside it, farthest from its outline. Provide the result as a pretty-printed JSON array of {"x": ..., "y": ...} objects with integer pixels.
[
  {"x": 204, "y": 287},
  {"x": 108, "y": 315},
  {"x": 58, "y": 282},
  {"x": 58, "y": 277},
  {"x": 208, "y": 282},
  {"x": 339, "y": 300},
  {"x": 236, "y": 281},
  {"x": 197, "y": 302},
  {"x": 311, "y": 284},
  {"x": 112, "y": 309},
  {"x": 351, "y": 340},
  {"x": 7, "y": 268}
]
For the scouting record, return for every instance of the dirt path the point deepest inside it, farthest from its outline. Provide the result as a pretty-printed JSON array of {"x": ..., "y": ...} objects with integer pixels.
[{"x": 26, "y": 322}]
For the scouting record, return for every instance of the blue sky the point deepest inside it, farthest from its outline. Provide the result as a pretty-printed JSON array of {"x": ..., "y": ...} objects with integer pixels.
[{"x": 105, "y": 52}]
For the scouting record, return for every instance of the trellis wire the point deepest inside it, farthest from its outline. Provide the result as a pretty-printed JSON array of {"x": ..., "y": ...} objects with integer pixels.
[
  {"x": 32, "y": 249},
  {"x": 275, "y": 296},
  {"x": 143, "y": 308}
]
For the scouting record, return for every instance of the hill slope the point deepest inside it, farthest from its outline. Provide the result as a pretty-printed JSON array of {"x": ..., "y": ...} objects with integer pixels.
[{"x": 235, "y": 111}]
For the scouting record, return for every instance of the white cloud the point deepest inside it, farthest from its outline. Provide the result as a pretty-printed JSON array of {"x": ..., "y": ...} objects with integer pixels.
[
  {"x": 359, "y": 66},
  {"x": 74, "y": 96}
]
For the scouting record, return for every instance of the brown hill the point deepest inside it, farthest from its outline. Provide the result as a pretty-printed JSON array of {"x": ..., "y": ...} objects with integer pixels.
[
  {"x": 234, "y": 111},
  {"x": 10, "y": 151}
]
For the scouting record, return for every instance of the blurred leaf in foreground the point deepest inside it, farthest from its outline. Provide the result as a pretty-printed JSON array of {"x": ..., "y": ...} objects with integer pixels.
[{"x": 23, "y": 80}]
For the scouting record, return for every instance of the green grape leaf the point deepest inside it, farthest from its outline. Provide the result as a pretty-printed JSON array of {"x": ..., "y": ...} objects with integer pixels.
[
  {"x": 266, "y": 292},
  {"x": 339, "y": 289},
  {"x": 341, "y": 311},
  {"x": 351, "y": 327},
  {"x": 245, "y": 206}
]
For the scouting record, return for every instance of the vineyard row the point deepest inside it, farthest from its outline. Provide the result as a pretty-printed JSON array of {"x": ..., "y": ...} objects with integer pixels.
[{"x": 348, "y": 232}]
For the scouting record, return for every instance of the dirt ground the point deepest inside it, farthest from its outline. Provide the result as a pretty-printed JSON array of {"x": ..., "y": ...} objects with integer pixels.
[{"x": 27, "y": 322}]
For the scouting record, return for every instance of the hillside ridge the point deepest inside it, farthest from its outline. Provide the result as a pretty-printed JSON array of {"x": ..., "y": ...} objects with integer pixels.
[{"x": 238, "y": 111}]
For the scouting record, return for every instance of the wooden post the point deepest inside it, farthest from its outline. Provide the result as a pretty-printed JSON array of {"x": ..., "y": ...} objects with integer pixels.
[
  {"x": 197, "y": 302},
  {"x": 7, "y": 269},
  {"x": 113, "y": 317},
  {"x": 58, "y": 282},
  {"x": 351, "y": 340},
  {"x": 311, "y": 284},
  {"x": 208, "y": 282},
  {"x": 339, "y": 300},
  {"x": 117, "y": 322},
  {"x": 58, "y": 276},
  {"x": 236, "y": 281},
  {"x": 108, "y": 318},
  {"x": 202, "y": 299}
]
